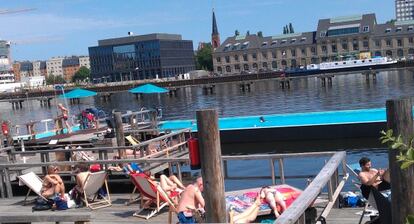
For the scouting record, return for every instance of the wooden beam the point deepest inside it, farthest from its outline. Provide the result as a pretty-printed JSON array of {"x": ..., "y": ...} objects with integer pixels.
[
  {"x": 400, "y": 120},
  {"x": 211, "y": 165},
  {"x": 307, "y": 197},
  {"x": 119, "y": 131}
]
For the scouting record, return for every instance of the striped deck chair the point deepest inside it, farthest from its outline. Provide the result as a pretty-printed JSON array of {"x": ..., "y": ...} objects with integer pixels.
[
  {"x": 93, "y": 183},
  {"x": 152, "y": 193},
  {"x": 33, "y": 182}
]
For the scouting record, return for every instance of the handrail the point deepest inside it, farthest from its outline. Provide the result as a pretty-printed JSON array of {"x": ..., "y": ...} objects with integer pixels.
[
  {"x": 141, "y": 144},
  {"x": 308, "y": 196},
  {"x": 277, "y": 156}
]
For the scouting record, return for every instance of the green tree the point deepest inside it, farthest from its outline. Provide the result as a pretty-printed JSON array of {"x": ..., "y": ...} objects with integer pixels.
[
  {"x": 284, "y": 30},
  {"x": 260, "y": 34},
  {"x": 291, "y": 30},
  {"x": 55, "y": 79},
  {"x": 236, "y": 33},
  {"x": 204, "y": 58},
  {"x": 391, "y": 21},
  {"x": 82, "y": 74}
]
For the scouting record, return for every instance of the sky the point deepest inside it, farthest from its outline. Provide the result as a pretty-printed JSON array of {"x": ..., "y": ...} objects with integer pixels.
[{"x": 69, "y": 27}]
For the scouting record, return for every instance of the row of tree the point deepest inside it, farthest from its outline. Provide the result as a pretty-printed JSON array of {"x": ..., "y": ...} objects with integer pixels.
[{"x": 81, "y": 75}]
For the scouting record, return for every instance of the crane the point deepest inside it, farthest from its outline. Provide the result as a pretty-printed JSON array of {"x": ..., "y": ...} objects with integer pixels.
[{"x": 10, "y": 11}]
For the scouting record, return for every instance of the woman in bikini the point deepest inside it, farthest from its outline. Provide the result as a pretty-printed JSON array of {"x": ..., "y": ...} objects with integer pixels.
[
  {"x": 53, "y": 184},
  {"x": 274, "y": 198}
]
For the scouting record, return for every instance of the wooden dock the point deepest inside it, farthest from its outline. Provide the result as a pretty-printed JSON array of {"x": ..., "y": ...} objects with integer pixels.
[{"x": 120, "y": 213}]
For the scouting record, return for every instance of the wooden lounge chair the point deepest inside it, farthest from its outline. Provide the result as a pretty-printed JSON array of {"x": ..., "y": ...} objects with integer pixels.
[
  {"x": 33, "y": 182},
  {"x": 94, "y": 182},
  {"x": 152, "y": 193}
]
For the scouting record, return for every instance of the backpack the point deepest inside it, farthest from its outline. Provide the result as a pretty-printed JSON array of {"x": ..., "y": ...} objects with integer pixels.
[
  {"x": 60, "y": 203},
  {"x": 42, "y": 204}
]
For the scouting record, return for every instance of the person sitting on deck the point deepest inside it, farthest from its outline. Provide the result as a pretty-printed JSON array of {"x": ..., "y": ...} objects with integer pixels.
[
  {"x": 168, "y": 184},
  {"x": 191, "y": 199},
  {"x": 53, "y": 184},
  {"x": 369, "y": 176},
  {"x": 275, "y": 200},
  {"x": 82, "y": 170}
]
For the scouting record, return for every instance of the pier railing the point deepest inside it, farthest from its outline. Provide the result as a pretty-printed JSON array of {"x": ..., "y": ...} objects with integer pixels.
[{"x": 327, "y": 177}]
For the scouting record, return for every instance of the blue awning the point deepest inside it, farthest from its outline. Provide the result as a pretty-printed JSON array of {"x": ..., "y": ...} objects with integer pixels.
[
  {"x": 77, "y": 93},
  {"x": 148, "y": 88}
]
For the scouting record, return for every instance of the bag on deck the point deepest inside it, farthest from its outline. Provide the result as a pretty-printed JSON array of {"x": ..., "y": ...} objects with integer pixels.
[
  {"x": 41, "y": 204},
  {"x": 60, "y": 203}
]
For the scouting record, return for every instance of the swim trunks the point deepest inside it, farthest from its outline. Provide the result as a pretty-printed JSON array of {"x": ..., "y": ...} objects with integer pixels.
[{"x": 184, "y": 219}]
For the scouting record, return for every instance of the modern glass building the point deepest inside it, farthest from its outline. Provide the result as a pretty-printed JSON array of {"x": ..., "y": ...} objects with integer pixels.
[
  {"x": 404, "y": 10},
  {"x": 5, "y": 62},
  {"x": 141, "y": 57}
]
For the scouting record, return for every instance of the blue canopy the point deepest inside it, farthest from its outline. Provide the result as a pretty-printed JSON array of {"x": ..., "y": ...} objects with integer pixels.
[
  {"x": 148, "y": 88},
  {"x": 77, "y": 93}
]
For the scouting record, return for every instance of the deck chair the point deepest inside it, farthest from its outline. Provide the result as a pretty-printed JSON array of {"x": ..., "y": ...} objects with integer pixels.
[
  {"x": 91, "y": 186},
  {"x": 152, "y": 193},
  {"x": 33, "y": 182}
]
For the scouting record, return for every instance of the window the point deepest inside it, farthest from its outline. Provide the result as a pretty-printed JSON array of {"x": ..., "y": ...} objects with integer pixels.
[
  {"x": 254, "y": 56},
  {"x": 333, "y": 47},
  {"x": 237, "y": 67},
  {"x": 228, "y": 69},
  {"x": 388, "y": 43},
  {"x": 227, "y": 59},
  {"x": 323, "y": 48},
  {"x": 264, "y": 44},
  {"x": 218, "y": 59},
  {"x": 293, "y": 52},
  {"x": 377, "y": 43},
  {"x": 322, "y": 34},
  {"x": 246, "y": 67},
  {"x": 342, "y": 31},
  {"x": 410, "y": 40},
  {"x": 236, "y": 57},
  {"x": 283, "y": 53},
  {"x": 264, "y": 65},
  {"x": 399, "y": 42},
  {"x": 303, "y": 39},
  {"x": 410, "y": 28},
  {"x": 365, "y": 44},
  {"x": 283, "y": 41},
  {"x": 264, "y": 54},
  {"x": 274, "y": 43},
  {"x": 245, "y": 57},
  {"x": 254, "y": 66},
  {"x": 293, "y": 41},
  {"x": 274, "y": 64},
  {"x": 219, "y": 69},
  {"x": 345, "y": 45},
  {"x": 313, "y": 50},
  {"x": 274, "y": 55},
  {"x": 365, "y": 29},
  {"x": 399, "y": 29},
  {"x": 303, "y": 51},
  {"x": 388, "y": 30},
  {"x": 355, "y": 45}
]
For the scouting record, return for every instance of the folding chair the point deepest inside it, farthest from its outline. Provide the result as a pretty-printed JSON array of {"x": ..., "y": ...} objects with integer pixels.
[
  {"x": 153, "y": 193},
  {"x": 91, "y": 186},
  {"x": 33, "y": 182}
]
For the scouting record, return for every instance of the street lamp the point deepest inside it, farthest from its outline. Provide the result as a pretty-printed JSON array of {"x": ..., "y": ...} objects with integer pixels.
[{"x": 137, "y": 71}]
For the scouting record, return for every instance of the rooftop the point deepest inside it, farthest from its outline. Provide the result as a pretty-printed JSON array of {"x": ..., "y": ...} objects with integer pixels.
[{"x": 137, "y": 38}]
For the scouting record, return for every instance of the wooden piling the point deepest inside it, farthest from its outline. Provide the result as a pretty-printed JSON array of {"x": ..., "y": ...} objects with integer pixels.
[
  {"x": 211, "y": 165},
  {"x": 119, "y": 131},
  {"x": 400, "y": 120}
]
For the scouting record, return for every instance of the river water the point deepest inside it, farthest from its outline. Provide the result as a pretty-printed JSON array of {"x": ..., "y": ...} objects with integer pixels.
[{"x": 347, "y": 92}]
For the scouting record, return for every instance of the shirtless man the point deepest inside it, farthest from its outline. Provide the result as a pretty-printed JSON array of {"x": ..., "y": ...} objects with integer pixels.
[
  {"x": 190, "y": 199},
  {"x": 369, "y": 176},
  {"x": 65, "y": 116},
  {"x": 53, "y": 184}
]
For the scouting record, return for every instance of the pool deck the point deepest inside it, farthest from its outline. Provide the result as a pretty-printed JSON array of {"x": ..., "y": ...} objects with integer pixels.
[{"x": 120, "y": 213}]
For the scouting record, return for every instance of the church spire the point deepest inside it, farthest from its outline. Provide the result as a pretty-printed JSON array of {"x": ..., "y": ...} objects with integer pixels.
[{"x": 215, "y": 36}]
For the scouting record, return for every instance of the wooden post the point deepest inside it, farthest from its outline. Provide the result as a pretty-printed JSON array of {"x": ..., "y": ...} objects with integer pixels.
[
  {"x": 119, "y": 131},
  {"x": 400, "y": 120},
  {"x": 211, "y": 165}
]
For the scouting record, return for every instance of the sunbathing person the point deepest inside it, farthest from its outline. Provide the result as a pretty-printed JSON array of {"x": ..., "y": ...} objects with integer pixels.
[
  {"x": 369, "y": 176},
  {"x": 247, "y": 216},
  {"x": 53, "y": 184},
  {"x": 76, "y": 193},
  {"x": 127, "y": 168},
  {"x": 190, "y": 200},
  {"x": 275, "y": 199},
  {"x": 168, "y": 184}
]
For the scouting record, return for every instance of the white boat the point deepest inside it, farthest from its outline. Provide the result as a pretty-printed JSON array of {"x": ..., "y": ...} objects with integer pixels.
[
  {"x": 8, "y": 84},
  {"x": 372, "y": 62}
]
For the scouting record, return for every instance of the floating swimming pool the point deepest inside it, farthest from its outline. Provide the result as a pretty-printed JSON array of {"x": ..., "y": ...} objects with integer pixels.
[
  {"x": 288, "y": 120},
  {"x": 48, "y": 134}
]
